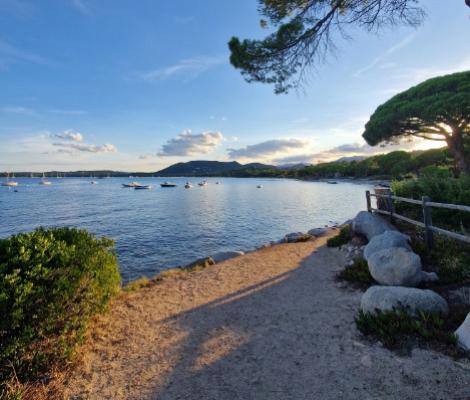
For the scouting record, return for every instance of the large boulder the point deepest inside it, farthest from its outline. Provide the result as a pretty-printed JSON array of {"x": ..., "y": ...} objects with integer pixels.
[
  {"x": 396, "y": 266},
  {"x": 226, "y": 255},
  {"x": 386, "y": 240},
  {"x": 388, "y": 298},
  {"x": 295, "y": 237},
  {"x": 463, "y": 333},
  {"x": 318, "y": 232},
  {"x": 370, "y": 225}
]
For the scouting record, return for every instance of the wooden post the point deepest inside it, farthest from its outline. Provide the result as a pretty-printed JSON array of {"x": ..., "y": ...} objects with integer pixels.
[
  {"x": 390, "y": 205},
  {"x": 369, "y": 207},
  {"x": 427, "y": 219}
]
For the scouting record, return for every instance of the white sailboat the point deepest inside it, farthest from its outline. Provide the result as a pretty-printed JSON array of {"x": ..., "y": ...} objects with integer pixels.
[
  {"x": 8, "y": 182},
  {"x": 44, "y": 181}
]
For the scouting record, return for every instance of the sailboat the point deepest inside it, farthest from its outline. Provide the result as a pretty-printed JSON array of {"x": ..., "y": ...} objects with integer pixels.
[
  {"x": 8, "y": 182},
  {"x": 44, "y": 181}
]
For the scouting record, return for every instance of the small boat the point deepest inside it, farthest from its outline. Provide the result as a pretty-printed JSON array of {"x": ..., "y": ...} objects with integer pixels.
[
  {"x": 131, "y": 185},
  {"x": 188, "y": 185},
  {"x": 140, "y": 187},
  {"x": 168, "y": 184},
  {"x": 94, "y": 182},
  {"x": 217, "y": 183},
  {"x": 332, "y": 182},
  {"x": 203, "y": 183},
  {"x": 10, "y": 183},
  {"x": 259, "y": 186},
  {"x": 44, "y": 181}
]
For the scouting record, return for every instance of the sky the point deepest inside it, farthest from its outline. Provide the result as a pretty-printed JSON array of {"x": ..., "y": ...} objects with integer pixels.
[{"x": 139, "y": 85}]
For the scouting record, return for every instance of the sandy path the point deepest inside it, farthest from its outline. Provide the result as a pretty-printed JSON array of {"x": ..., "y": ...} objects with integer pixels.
[{"x": 272, "y": 324}]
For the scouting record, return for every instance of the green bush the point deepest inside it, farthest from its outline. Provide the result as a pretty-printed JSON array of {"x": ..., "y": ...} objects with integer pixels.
[
  {"x": 393, "y": 327},
  {"x": 439, "y": 187},
  {"x": 52, "y": 281},
  {"x": 343, "y": 237},
  {"x": 357, "y": 273}
]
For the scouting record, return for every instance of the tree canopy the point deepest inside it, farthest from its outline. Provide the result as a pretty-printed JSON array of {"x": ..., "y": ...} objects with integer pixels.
[
  {"x": 437, "y": 109},
  {"x": 303, "y": 31},
  {"x": 306, "y": 29}
]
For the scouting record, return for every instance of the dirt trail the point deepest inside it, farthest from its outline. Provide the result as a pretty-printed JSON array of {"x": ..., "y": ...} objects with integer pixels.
[{"x": 273, "y": 324}]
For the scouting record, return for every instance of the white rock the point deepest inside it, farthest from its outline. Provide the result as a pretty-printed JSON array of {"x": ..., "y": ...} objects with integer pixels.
[
  {"x": 463, "y": 333},
  {"x": 387, "y": 298},
  {"x": 296, "y": 236},
  {"x": 226, "y": 255},
  {"x": 386, "y": 240},
  {"x": 318, "y": 232},
  {"x": 370, "y": 225},
  {"x": 395, "y": 266},
  {"x": 429, "y": 276}
]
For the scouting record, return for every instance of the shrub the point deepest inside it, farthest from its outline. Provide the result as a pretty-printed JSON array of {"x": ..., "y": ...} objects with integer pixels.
[
  {"x": 357, "y": 273},
  {"x": 439, "y": 187},
  {"x": 343, "y": 237},
  {"x": 393, "y": 327},
  {"x": 449, "y": 258},
  {"x": 52, "y": 281}
]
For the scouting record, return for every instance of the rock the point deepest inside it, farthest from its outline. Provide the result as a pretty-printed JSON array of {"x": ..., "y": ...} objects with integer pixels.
[
  {"x": 386, "y": 240},
  {"x": 200, "y": 264},
  {"x": 387, "y": 298},
  {"x": 463, "y": 333},
  {"x": 395, "y": 266},
  {"x": 318, "y": 232},
  {"x": 429, "y": 276},
  {"x": 297, "y": 237},
  {"x": 370, "y": 225},
  {"x": 459, "y": 296},
  {"x": 264, "y": 246},
  {"x": 226, "y": 255}
]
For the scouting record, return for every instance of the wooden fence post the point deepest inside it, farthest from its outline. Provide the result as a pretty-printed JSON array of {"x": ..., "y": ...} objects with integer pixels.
[
  {"x": 369, "y": 207},
  {"x": 427, "y": 219},
  {"x": 390, "y": 205}
]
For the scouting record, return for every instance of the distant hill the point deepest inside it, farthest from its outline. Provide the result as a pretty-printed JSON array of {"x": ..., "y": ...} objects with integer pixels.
[
  {"x": 349, "y": 159},
  {"x": 208, "y": 168}
]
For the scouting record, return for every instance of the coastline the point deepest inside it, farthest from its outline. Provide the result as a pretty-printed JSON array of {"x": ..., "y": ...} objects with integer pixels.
[{"x": 274, "y": 323}]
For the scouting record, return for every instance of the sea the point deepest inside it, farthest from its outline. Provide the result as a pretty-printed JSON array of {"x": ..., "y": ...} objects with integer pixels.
[{"x": 163, "y": 228}]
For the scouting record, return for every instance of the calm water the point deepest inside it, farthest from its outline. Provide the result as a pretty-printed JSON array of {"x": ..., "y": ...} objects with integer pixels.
[{"x": 162, "y": 228}]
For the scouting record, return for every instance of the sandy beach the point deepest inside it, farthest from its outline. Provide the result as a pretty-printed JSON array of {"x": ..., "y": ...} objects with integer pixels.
[{"x": 272, "y": 324}]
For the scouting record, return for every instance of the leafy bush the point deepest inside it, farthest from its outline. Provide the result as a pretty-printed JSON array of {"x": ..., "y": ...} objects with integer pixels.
[
  {"x": 343, "y": 237},
  {"x": 52, "y": 281},
  {"x": 441, "y": 188},
  {"x": 393, "y": 327},
  {"x": 449, "y": 258},
  {"x": 357, "y": 273}
]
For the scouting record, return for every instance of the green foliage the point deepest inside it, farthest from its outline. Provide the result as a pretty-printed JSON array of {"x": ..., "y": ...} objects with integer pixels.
[
  {"x": 449, "y": 258},
  {"x": 393, "y": 327},
  {"x": 439, "y": 187},
  {"x": 52, "y": 281},
  {"x": 304, "y": 32},
  {"x": 343, "y": 237},
  {"x": 437, "y": 109},
  {"x": 358, "y": 273}
]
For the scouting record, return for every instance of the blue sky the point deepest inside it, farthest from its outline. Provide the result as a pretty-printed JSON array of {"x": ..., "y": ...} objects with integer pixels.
[{"x": 139, "y": 85}]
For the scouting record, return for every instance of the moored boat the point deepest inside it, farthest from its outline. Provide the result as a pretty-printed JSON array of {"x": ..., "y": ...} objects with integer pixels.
[
  {"x": 140, "y": 187},
  {"x": 10, "y": 183},
  {"x": 131, "y": 185},
  {"x": 168, "y": 184},
  {"x": 203, "y": 183}
]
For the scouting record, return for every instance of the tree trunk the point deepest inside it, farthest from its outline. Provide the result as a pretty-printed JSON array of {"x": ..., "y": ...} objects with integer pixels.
[{"x": 456, "y": 148}]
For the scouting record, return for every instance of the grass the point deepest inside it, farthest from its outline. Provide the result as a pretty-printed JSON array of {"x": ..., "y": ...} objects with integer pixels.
[
  {"x": 343, "y": 237},
  {"x": 358, "y": 273},
  {"x": 396, "y": 328},
  {"x": 449, "y": 258}
]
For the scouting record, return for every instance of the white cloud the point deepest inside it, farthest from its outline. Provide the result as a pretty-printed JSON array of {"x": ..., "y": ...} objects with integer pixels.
[
  {"x": 67, "y": 112},
  {"x": 89, "y": 148},
  {"x": 189, "y": 68},
  {"x": 187, "y": 143},
  {"x": 81, "y": 6},
  {"x": 19, "y": 110},
  {"x": 10, "y": 54},
  {"x": 266, "y": 149},
  {"x": 69, "y": 134},
  {"x": 404, "y": 42}
]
